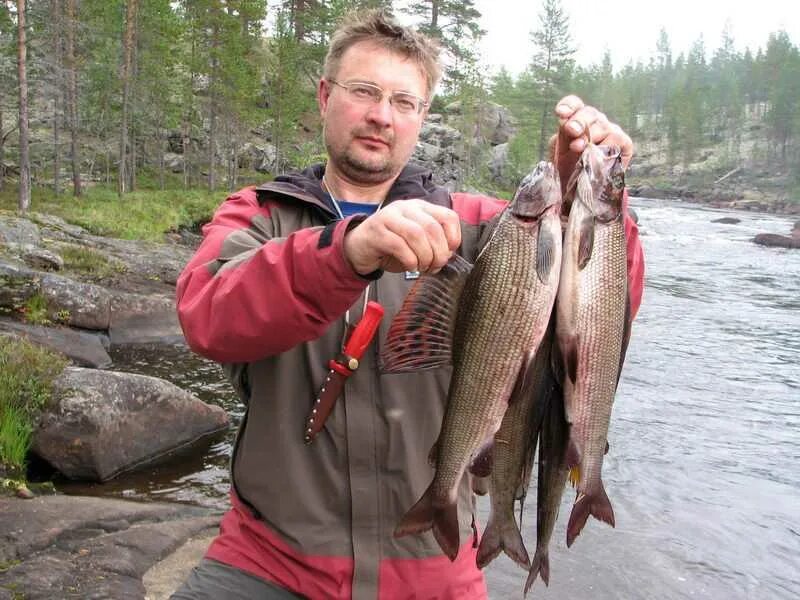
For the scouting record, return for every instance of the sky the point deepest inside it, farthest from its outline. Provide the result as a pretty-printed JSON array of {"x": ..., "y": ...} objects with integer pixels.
[{"x": 630, "y": 29}]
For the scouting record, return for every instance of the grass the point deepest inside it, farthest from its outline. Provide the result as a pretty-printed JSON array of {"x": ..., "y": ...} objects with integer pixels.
[
  {"x": 27, "y": 372},
  {"x": 145, "y": 214},
  {"x": 87, "y": 262}
]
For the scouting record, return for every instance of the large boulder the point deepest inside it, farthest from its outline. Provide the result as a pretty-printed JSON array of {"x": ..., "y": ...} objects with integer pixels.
[
  {"x": 78, "y": 304},
  {"x": 143, "y": 319},
  {"x": 102, "y": 423}
]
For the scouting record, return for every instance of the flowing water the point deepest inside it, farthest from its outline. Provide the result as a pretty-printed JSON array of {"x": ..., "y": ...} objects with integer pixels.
[{"x": 704, "y": 462}]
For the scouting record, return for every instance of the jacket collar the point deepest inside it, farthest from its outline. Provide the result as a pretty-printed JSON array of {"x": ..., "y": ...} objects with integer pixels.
[{"x": 414, "y": 181}]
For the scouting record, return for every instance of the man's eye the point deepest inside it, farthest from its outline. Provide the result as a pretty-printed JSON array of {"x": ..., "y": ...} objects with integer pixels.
[
  {"x": 405, "y": 103},
  {"x": 362, "y": 91}
]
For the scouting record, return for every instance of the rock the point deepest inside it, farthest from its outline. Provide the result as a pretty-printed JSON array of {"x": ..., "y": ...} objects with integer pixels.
[
  {"x": 39, "y": 258},
  {"x": 727, "y": 220},
  {"x": 15, "y": 231},
  {"x": 777, "y": 241},
  {"x": 165, "y": 577},
  {"x": 496, "y": 124},
  {"x": 75, "y": 303},
  {"x": 102, "y": 423},
  {"x": 84, "y": 349},
  {"x": 498, "y": 162},
  {"x": 433, "y": 118},
  {"x": 17, "y": 285},
  {"x": 24, "y": 493},
  {"x": 426, "y": 153},
  {"x": 140, "y": 319},
  {"x": 77, "y": 547},
  {"x": 439, "y": 135},
  {"x": 173, "y": 162}
]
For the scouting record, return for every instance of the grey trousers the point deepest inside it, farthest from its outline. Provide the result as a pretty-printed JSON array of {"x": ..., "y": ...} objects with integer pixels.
[{"x": 212, "y": 580}]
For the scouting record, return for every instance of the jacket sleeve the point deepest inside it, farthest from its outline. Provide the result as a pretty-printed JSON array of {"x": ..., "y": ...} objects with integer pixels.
[
  {"x": 246, "y": 294},
  {"x": 635, "y": 260}
]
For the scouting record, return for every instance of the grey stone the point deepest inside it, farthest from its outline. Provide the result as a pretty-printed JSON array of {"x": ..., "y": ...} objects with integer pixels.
[
  {"x": 39, "y": 258},
  {"x": 426, "y": 153},
  {"x": 15, "y": 231},
  {"x": 498, "y": 162},
  {"x": 777, "y": 241},
  {"x": 76, "y": 547},
  {"x": 78, "y": 304},
  {"x": 17, "y": 285},
  {"x": 102, "y": 423},
  {"x": 83, "y": 349},
  {"x": 140, "y": 319}
]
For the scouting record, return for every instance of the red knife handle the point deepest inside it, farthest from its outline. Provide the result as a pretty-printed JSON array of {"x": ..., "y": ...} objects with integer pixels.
[
  {"x": 364, "y": 332},
  {"x": 344, "y": 366}
]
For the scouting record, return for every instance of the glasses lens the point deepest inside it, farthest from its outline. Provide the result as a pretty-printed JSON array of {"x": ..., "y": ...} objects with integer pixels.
[
  {"x": 364, "y": 92},
  {"x": 405, "y": 103}
]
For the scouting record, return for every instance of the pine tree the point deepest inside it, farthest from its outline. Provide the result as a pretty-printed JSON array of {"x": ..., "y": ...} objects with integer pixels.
[
  {"x": 551, "y": 67},
  {"x": 456, "y": 26}
]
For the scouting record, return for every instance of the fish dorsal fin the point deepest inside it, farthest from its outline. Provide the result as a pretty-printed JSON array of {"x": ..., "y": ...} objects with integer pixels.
[{"x": 421, "y": 335}]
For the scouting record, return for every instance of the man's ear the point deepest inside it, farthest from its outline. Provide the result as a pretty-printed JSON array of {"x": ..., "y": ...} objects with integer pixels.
[{"x": 323, "y": 93}]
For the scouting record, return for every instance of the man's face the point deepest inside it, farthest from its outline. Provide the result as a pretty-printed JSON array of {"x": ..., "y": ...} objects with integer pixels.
[{"x": 370, "y": 142}]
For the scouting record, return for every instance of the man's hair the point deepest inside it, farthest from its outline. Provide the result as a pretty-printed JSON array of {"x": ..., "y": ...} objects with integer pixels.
[{"x": 380, "y": 28}]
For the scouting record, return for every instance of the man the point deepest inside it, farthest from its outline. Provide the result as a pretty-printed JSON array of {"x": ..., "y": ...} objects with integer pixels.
[{"x": 281, "y": 270}]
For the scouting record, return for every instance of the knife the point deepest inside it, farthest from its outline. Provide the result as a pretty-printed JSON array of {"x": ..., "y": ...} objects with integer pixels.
[{"x": 341, "y": 368}]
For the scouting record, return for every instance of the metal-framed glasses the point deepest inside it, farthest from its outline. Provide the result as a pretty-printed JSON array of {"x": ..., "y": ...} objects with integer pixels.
[{"x": 404, "y": 103}]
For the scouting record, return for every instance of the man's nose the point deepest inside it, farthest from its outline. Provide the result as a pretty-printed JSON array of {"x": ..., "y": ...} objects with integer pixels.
[{"x": 381, "y": 113}]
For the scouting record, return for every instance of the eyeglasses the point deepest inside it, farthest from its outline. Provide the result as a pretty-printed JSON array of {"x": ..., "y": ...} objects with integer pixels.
[{"x": 404, "y": 103}]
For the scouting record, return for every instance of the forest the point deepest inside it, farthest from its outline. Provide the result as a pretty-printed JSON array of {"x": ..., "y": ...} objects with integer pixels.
[{"x": 108, "y": 92}]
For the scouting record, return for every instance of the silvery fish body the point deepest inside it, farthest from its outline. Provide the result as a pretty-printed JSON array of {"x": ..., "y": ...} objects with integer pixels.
[
  {"x": 592, "y": 322},
  {"x": 498, "y": 322}
]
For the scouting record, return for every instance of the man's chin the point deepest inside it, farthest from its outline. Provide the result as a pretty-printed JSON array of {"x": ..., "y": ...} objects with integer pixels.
[{"x": 368, "y": 171}]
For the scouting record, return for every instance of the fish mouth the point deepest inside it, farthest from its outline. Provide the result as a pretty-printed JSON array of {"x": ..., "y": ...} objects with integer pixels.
[{"x": 539, "y": 191}]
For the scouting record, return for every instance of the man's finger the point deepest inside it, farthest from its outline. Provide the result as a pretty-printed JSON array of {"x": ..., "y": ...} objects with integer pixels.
[
  {"x": 449, "y": 220},
  {"x": 434, "y": 232},
  {"x": 414, "y": 235},
  {"x": 568, "y": 106}
]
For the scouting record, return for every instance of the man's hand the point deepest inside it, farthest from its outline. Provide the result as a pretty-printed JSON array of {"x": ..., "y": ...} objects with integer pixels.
[
  {"x": 407, "y": 235},
  {"x": 578, "y": 124}
]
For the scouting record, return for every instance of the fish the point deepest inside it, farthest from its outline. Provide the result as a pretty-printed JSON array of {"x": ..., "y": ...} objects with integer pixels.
[
  {"x": 593, "y": 323},
  {"x": 487, "y": 320},
  {"x": 512, "y": 460},
  {"x": 552, "y": 471}
]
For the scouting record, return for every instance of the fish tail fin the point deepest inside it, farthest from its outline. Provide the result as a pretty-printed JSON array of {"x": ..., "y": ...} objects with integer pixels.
[
  {"x": 445, "y": 529},
  {"x": 596, "y": 504},
  {"x": 419, "y": 517},
  {"x": 541, "y": 567},
  {"x": 505, "y": 536},
  {"x": 426, "y": 515}
]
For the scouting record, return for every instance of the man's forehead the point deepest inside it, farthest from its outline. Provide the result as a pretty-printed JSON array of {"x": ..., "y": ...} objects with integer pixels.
[{"x": 368, "y": 61}]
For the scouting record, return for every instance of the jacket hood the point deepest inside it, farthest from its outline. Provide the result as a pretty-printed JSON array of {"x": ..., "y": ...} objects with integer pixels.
[{"x": 414, "y": 181}]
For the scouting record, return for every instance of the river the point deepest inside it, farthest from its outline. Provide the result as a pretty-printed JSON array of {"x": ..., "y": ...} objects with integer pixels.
[{"x": 704, "y": 463}]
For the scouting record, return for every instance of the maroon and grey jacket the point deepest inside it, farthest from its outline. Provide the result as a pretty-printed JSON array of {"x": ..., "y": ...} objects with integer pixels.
[{"x": 265, "y": 295}]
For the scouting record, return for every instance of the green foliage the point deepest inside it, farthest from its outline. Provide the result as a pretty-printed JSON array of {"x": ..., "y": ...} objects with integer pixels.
[
  {"x": 88, "y": 263},
  {"x": 27, "y": 372},
  {"x": 15, "y": 437},
  {"x": 35, "y": 310},
  {"x": 456, "y": 25},
  {"x": 142, "y": 215}
]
